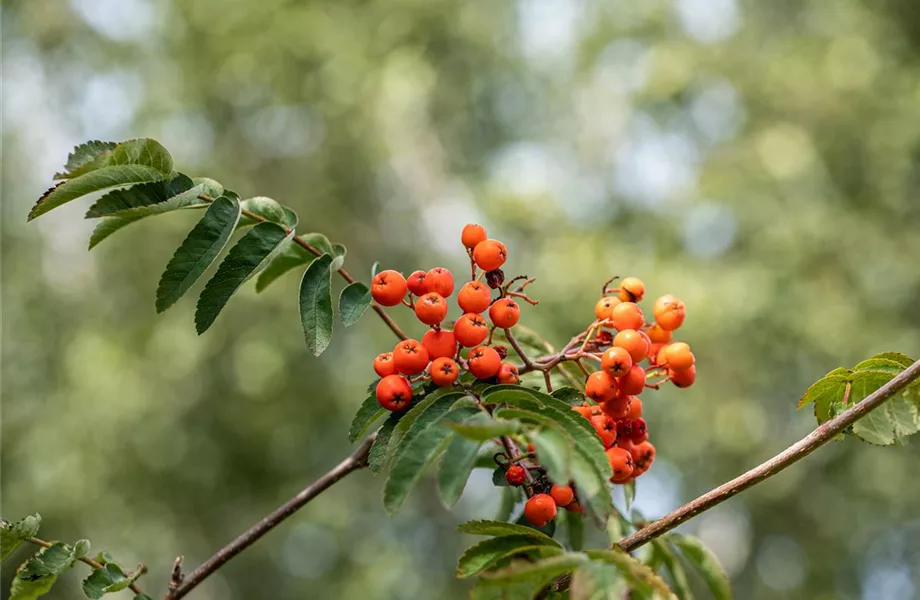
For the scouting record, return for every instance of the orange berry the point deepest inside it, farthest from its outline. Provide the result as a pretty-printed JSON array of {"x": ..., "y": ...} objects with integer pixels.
[
  {"x": 540, "y": 509},
  {"x": 661, "y": 359},
  {"x": 659, "y": 335},
  {"x": 575, "y": 507},
  {"x": 444, "y": 371},
  {"x": 618, "y": 406},
  {"x": 604, "y": 307},
  {"x": 616, "y": 361},
  {"x": 410, "y": 357},
  {"x": 431, "y": 308},
  {"x": 632, "y": 290},
  {"x": 621, "y": 462},
  {"x": 653, "y": 352},
  {"x": 626, "y": 315},
  {"x": 635, "y": 408},
  {"x": 584, "y": 411},
  {"x": 473, "y": 234},
  {"x": 394, "y": 392},
  {"x": 631, "y": 341},
  {"x": 600, "y": 387},
  {"x": 471, "y": 330},
  {"x": 562, "y": 494},
  {"x": 508, "y": 373},
  {"x": 643, "y": 455},
  {"x": 679, "y": 356},
  {"x": 440, "y": 343},
  {"x": 669, "y": 312},
  {"x": 606, "y": 429},
  {"x": 474, "y": 297},
  {"x": 505, "y": 313},
  {"x": 633, "y": 383},
  {"x": 484, "y": 362},
  {"x": 516, "y": 475},
  {"x": 490, "y": 254},
  {"x": 440, "y": 280},
  {"x": 383, "y": 364},
  {"x": 416, "y": 283},
  {"x": 388, "y": 288},
  {"x": 683, "y": 378}
]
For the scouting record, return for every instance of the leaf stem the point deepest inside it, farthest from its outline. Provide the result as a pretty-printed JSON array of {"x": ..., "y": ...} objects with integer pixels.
[{"x": 92, "y": 563}]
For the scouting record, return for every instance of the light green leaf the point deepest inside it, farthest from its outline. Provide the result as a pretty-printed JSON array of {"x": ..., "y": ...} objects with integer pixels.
[
  {"x": 543, "y": 570},
  {"x": 598, "y": 581},
  {"x": 134, "y": 161},
  {"x": 456, "y": 466},
  {"x": 338, "y": 251},
  {"x": 487, "y": 553},
  {"x": 636, "y": 574},
  {"x": 247, "y": 257},
  {"x": 705, "y": 562},
  {"x": 482, "y": 427},
  {"x": 369, "y": 411},
  {"x": 503, "y": 590},
  {"x": 353, "y": 302},
  {"x": 320, "y": 242},
  {"x": 675, "y": 567},
  {"x": 509, "y": 499},
  {"x": 264, "y": 207},
  {"x": 555, "y": 452},
  {"x": 500, "y": 528},
  {"x": 569, "y": 395},
  {"x": 36, "y": 576},
  {"x": 13, "y": 534},
  {"x": 316, "y": 305},
  {"x": 575, "y": 529},
  {"x": 290, "y": 257},
  {"x": 87, "y": 157},
  {"x": 885, "y": 361},
  {"x": 199, "y": 249},
  {"x": 111, "y": 578},
  {"x": 896, "y": 418},
  {"x": 629, "y": 491},
  {"x": 825, "y": 391}
]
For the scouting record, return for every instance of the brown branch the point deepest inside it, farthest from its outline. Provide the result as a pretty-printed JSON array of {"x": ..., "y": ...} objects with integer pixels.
[
  {"x": 794, "y": 453},
  {"x": 317, "y": 252},
  {"x": 92, "y": 563},
  {"x": 356, "y": 461}
]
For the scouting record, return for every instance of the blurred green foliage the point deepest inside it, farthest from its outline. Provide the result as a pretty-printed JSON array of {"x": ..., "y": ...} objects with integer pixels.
[{"x": 758, "y": 159}]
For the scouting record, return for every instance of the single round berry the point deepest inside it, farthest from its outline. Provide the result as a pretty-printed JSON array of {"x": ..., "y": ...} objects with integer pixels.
[
  {"x": 604, "y": 307},
  {"x": 669, "y": 312},
  {"x": 606, "y": 429},
  {"x": 410, "y": 357},
  {"x": 584, "y": 411},
  {"x": 484, "y": 362},
  {"x": 540, "y": 509},
  {"x": 440, "y": 280},
  {"x": 635, "y": 408},
  {"x": 516, "y": 475},
  {"x": 661, "y": 359},
  {"x": 679, "y": 356},
  {"x": 508, "y": 373},
  {"x": 431, "y": 308},
  {"x": 621, "y": 462},
  {"x": 384, "y": 365},
  {"x": 643, "y": 456},
  {"x": 388, "y": 288},
  {"x": 653, "y": 352},
  {"x": 632, "y": 290},
  {"x": 633, "y": 342},
  {"x": 444, "y": 371},
  {"x": 633, "y": 383},
  {"x": 416, "y": 283},
  {"x": 683, "y": 378},
  {"x": 562, "y": 494},
  {"x": 639, "y": 431},
  {"x": 490, "y": 255},
  {"x": 618, "y": 406},
  {"x": 659, "y": 335},
  {"x": 505, "y": 313},
  {"x": 474, "y": 297},
  {"x": 471, "y": 330},
  {"x": 440, "y": 343},
  {"x": 600, "y": 387},
  {"x": 616, "y": 361},
  {"x": 473, "y": 234},
  {"x": 394, "y": 392},
  {"x": 626, "y": 315}
]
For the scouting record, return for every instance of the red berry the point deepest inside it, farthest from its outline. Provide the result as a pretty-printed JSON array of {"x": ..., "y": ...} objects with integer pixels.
[
  {"x": 416, "y": 283},
  {"x": 410, "y": 357},
  {"x": 540, "y": 509},
  {"x": 635, "y": 408},
  {"x": 473, "y": 234},
  {"x": 444, "y": 371},
  {"x": 474, "y": 297},
  {"x": 616, "y": 361},
  {"x": 679, "y": 356},
  {"x": 562, "y": 494},
  {"x": 440, "y": 343},
  {"x": 618, "y": 406},
  {"x": 484, "y": 362},
  {"x": 633, "y": 342},
  {"x": 683, "y": 378},
  {"x": 508, "y": 373},
  {"x": 626, "y": 315},
  {"x": 431, "y": 308},
  {"x": 638, "y": 431},
  {"x": 471, "y": 330},
  {"x": 383, "y": 364},
  {"x": 394, "y": 392},
  {"x": 605, "y": 428},
  {"x": 669, "y": 312},
  {"x": 516, "y": 475},
  {"x": 490, "y": 254},
  {"x": 621, "y": 462},
  {"x": 388, "y": 288},
  {"x": 600, "y": 387},
  {"x": 505, "y": 313},
  {"x": 440, "y": 280},
  {"x": 633, "y": 383}
]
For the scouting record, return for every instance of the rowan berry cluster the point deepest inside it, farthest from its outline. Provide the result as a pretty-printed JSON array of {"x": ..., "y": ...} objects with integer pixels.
[{"x": 438, "y": 356}]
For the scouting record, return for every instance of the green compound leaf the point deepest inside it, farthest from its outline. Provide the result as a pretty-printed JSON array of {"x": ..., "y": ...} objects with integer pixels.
[
  {"x": 369, "y": 411},
  {"x": 488, "y": 553},
  {"x": 705, "y": 563},
  {"x": 86, "y": 157},
  {"x": 264, "y": 207},
  {"x": 38, "y": 574},
  {"x": 316, "y": 305},
  {"x": 13, "y": 534},
  {"x": 291, "y": 257},
  {"x": 456, "y": 466},
  {"x": 199, "y": 249},
  {"x": 110, "y": 578},
  {"x": 130, "y": 162},
  {"x": 249, "y": 256},
  {"x": 353, "y": 302}
]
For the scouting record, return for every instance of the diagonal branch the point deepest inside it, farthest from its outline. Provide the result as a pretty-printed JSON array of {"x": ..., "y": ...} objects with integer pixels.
[{"x": 180, "y": 586}]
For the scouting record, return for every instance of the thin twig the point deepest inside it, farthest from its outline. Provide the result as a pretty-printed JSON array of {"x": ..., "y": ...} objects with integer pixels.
[
  {"x": 528, "y": 364},
  {"x": 356, "y": 461},
  {"x": 93, "y": 563}
]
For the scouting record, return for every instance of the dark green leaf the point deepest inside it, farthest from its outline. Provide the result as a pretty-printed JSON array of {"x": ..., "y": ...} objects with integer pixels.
[
  {"x": 500, "y": 528},
  {"x": 598, "y": 581},
  {"x": 509, "y": 499},
  {"x": 13, "y": 534},
  {"x": 134, "y": 161},
  {"x": 316, "y": 305},
  {"x": 353, "y": 301},
  {"x": 36, "y": 576},
  {"x": 456, "y": 466},
  {"x": 377, "y": 455},
  {"x": 575, "y": 529},
  {"x": 264, "y": 207},
  {"x": 144, "y": 195},
  {"x": 482, "y": 427},
  {"x": 543, "y": 570},
  {"x": 111, "y": 578},
  {"x": 636, "y": 574},
  {"x": 87, "y": 157},
  {"x": 487, "y": 553},
  {"x": 369, "y": 411},
  {"x": 705, "y": 562},
  {"x": 569, "y": 395},
  {"x": 250, "y": 254},
  {"x": 418, "y": 452},
  {"x": 199, "y": 249},
  {"x": 427, "y": 410},
  {"x": 555, "y": 452},
  {"x": 291, "y": 257}
]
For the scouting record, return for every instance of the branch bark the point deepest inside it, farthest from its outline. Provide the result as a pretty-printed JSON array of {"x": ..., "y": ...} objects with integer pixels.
[{"x": 356, "y": 461}]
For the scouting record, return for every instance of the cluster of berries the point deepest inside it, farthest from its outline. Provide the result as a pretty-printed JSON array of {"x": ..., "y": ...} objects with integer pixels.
[
  {"x": 438, "y": 356},
  {"x": 616, "y": 410},
  {"x": 541, "y": 507}
]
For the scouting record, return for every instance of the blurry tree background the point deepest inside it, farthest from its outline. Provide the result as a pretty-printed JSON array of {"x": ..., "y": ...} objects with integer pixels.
[{"x": 759, "y": 159}]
